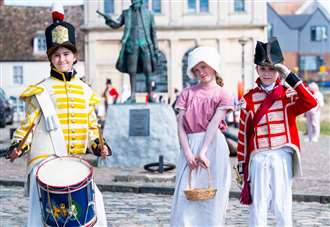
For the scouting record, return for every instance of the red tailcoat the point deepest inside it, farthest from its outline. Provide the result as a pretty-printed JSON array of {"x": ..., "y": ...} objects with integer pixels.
[{"x": 277, "y": 128}]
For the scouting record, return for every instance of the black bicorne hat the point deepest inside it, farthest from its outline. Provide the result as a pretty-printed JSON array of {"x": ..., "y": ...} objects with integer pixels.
[
  {"x": 268, "y": 54},
  {"x": 59, "y": 33}
]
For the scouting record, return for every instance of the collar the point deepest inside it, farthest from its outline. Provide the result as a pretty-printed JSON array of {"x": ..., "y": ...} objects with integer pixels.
[
  {"x": 269, "y": 88},
  {"x": 64, "y": 76}
]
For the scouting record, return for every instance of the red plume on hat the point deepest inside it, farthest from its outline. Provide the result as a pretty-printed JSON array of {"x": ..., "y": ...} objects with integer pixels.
[{"x": 57, "y": 12}]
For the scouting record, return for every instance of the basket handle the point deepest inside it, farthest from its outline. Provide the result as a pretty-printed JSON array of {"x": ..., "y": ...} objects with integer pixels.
[{"x": 209, "y": 177}]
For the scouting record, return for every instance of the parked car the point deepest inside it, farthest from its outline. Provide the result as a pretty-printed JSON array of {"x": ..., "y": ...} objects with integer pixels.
[{"x": 6, "y": 111}]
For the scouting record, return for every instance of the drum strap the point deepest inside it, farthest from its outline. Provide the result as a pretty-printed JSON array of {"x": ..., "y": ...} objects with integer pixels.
[{"x": 52, "y": 123}]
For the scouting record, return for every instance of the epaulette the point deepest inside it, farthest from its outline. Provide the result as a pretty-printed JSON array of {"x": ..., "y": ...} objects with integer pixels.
[
  {"x": 94, "y": 100},
  {"x": 31, "y": 90}
]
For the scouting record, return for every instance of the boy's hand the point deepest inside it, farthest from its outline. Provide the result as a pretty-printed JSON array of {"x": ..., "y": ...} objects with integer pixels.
[
  {"x": 13, "y": 154},
  {"x": 103, "y": 151},
  {"x": 282, "y": 69}
]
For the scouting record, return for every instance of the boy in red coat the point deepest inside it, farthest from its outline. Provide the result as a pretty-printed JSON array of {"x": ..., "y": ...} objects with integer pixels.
[{"x": 268, "y": 149}]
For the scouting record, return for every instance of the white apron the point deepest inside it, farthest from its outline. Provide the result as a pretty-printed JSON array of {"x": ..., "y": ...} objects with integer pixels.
[{"x": 208, "y": 212}]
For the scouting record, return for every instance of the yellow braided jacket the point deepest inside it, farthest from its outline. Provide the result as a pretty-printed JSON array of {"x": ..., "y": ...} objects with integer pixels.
[{"x": 74, "y": 103}]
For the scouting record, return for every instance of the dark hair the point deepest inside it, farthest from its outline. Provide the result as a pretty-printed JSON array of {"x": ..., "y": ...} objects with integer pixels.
[
  {"x": 66, "y": 45},
  {"x": 218, "y": 79},
  {"x": 108, "y": 81}
]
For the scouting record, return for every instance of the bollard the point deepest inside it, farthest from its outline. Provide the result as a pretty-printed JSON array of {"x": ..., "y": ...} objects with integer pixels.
[
  {"x": 161, "y": 164},
  {"x": 11, "y": 132}
]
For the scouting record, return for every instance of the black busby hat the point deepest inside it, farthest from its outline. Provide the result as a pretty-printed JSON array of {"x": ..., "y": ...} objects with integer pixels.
[
  {"x": 59, "y": 33},
  {"x": 268, "y": 53}
]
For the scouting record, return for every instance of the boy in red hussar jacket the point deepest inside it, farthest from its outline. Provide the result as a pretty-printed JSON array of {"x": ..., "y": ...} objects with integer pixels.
[{"x": 268, "y": 149}]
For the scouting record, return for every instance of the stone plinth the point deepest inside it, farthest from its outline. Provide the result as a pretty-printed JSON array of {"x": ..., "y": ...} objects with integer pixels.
[{"x": 137, "y": 151}]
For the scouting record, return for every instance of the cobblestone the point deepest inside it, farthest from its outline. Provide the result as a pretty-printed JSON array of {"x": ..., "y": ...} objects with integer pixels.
[{"x": 128, "y": 209}]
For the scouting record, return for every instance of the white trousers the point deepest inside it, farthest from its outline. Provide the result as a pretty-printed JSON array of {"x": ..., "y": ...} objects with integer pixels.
[
  {"x": 271, "y": 187},
  {"x": 313, "y": 124},
  {"x": 35, "y": 217}
]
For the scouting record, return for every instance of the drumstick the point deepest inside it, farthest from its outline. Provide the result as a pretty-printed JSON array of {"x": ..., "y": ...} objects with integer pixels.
[
  {"x": 100, "y": 136},
  {"x": 21, "y": 144}
]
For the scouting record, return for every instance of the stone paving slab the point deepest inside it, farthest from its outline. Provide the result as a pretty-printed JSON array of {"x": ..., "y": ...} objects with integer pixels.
[
  {"x": 313, "y": 186},
  {"x": 130, "y": 209}
]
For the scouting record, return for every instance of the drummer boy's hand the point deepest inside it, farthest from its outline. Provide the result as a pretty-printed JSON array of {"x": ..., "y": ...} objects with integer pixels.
[
  {"x": 14, "y": 154},
  {"x": 104, "y": 152},
  {"x": 13, "y": 151}
]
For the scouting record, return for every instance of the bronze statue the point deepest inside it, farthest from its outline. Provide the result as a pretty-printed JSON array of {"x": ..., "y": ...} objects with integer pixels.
[{"x": 139, "y": 44}]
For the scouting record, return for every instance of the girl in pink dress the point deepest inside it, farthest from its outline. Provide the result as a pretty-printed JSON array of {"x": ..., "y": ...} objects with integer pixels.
[{"x": 202, "y": 109}]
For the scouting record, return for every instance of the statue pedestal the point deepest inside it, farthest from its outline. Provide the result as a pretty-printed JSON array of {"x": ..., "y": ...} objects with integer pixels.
[{"x": 139, "y": 133}]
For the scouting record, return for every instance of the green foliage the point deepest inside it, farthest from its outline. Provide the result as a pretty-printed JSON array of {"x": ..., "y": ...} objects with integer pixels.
[{"x": 325, "y": 127}]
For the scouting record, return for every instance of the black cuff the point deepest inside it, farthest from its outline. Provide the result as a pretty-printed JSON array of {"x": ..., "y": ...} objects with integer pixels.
[
  {"x": 95, "y": 146},
  {"x": 292, "y": 79}
]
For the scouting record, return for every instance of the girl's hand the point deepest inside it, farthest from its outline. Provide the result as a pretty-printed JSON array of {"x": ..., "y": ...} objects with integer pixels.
[
  {"x": 203, "y": 160},
  {"x": 192, "y": 162}
]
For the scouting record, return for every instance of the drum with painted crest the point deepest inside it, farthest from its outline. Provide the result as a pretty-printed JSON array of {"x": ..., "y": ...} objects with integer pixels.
[{"x": 66, "y": 192}]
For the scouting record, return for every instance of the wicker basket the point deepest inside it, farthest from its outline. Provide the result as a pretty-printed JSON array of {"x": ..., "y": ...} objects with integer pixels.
[{"x": 196, "y": 194}]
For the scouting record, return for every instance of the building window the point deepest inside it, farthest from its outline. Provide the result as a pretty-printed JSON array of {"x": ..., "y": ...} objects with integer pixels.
[
  {"x": 203, "y": 6},
  {"x": 17, "y": 104},
  {"x": 109, "y": 6},
  {"x": 318, "y": 33},
  {"x": 18, "y": 74},
  {"x": 39, "y": 44},
  {"x": 270, "y": 31},
  {"x": 153, "y": 5},
  {"x": 310, "y": 63},
  {"x": 239, "y": 5},
  {"x": 186, "y": 81},
  {"x": 192, "y": 6},
  {"x": 198, "y": 6}
]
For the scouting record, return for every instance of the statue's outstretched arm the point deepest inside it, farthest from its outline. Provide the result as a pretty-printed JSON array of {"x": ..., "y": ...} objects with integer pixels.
[
  {"x": 111, "y": 22},
  {"x": 115, "y": 23}
]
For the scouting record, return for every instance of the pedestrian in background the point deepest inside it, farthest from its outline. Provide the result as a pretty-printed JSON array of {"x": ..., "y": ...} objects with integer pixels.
[
  {"x": 110, "y": 94},
  {"x": 176, "y": 95},
  {"x": 313, "y": 116},
  {"x": 60, "y": 114},
  {"x": 202, "y": 109},
  {"x": 268, "y": 148}
]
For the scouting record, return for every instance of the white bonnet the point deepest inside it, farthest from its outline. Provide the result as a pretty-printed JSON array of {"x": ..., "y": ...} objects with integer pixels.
[{"x": 209, "y": 55}]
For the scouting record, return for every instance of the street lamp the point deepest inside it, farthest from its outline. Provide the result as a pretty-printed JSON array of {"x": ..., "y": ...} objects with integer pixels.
[{"x": 243, "y": 40}]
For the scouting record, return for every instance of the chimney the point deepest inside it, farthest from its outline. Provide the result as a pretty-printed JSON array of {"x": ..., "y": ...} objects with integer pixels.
[{"x": 2, "y": 3}]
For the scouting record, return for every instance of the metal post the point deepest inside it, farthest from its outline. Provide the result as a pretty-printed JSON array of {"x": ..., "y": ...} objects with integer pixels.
[
  {"x": 243, "y": 40},
  {"x": 161, "y": 164}
]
